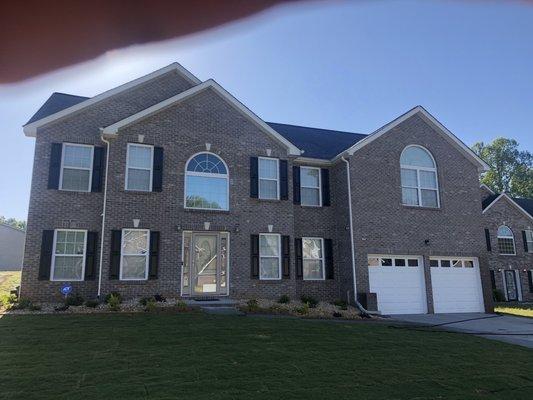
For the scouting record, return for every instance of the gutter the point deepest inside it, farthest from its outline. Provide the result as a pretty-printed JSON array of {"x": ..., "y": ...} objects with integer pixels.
[
  {"x": 362, "y": 310},
  {"x": 103, "y": 217}
]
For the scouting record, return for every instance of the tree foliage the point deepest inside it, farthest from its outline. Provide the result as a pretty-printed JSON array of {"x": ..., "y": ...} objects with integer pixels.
[
  {"x": 511, "y": 169},
  {"x": 13, "y": 222}
]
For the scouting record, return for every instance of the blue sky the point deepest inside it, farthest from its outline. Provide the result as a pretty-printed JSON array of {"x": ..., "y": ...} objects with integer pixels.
[{"x": 343, "y": 65}]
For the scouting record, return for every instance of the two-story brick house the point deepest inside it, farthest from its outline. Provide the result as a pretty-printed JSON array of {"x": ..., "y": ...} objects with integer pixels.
[
  {"x": 508, "y": 223},
  {"x": 170, "y": 185}
]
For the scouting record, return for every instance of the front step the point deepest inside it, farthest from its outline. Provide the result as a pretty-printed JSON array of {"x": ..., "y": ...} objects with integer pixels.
[{"x": 211, "y": 302}]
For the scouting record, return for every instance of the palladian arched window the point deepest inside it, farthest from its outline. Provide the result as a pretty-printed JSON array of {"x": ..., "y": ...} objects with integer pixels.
[
  {"x": 419, "y": 178},
  {"x": 506, "y": 241},
  {"x": 206, "y": 182}
]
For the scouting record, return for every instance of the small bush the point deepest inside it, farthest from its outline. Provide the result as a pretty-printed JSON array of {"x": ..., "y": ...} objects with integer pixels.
[
  {"x": 159, "y": 298},
  {"x": 253, "y": 305},
  {"x": 145, "y": 300},
  {"x": 61, "y": 308},
  {"x": 22, "y": 304},
  {"x": 341, "y": 304},
  {"x": 91, "y": 303},
  {"x": 284, "y": 299},
  {"x": 310, "y": 301},
  {"x": 35, "y": 307},
  {"x": 114, "y": 302},
  {"x": 304, "y": 309},
  {"x": 181, "y": 305},
  {"x": 497, "y": 295},
  {"x": 337, "y": 314},
  {"x": 275, "y": 309},
  {"x": 150, "y": 305},
  {"x": 75, "y": 300},
  {"x": 115, "y": 294}
]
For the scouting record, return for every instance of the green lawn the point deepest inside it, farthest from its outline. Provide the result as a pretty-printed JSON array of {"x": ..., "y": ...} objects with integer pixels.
[
  {"x": 521, "y": 309},
  {"x": 197, "y": 356},
  {"x": 8, "y": 281}
]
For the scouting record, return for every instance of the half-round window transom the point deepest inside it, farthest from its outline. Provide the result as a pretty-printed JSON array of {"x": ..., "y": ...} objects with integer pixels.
[
  {"x": 207, "y": 163},
  {"x": 417, "y": 157}
]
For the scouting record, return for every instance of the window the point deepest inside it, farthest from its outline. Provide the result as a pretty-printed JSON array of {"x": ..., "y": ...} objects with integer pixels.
[
  {"x": 529, "y": 240},
  {"x": 76, "y": 167},
  {"x": 506, "y": 241},
  {"x": 310, "y": 186},
  {"x": 68, "y": 261},
  {"x": 451, "y": 262},
  {"x": 134, "y": 254},
  {"x": 269, "y": 256},
  {"x": 139, "y": 163},
  {"x": 419, "y": 178},
  {"x": 313, "y": 258},
  {"x": 206, "y": 183},
  {"x": 268, "y": 178},
  {"x": 393, "y": 261}
]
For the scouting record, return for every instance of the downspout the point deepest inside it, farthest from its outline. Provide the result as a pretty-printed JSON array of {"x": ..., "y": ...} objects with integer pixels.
[
  {"x": 103, "y": 218},
  {"x": 364, "y": 313}
]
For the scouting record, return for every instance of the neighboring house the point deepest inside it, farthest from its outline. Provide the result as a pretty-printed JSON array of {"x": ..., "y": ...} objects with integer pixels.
[
  {"x": 11, "y": 248},
  {"x": 508, "y": 223},
  {"x": 204, "y": 198}
]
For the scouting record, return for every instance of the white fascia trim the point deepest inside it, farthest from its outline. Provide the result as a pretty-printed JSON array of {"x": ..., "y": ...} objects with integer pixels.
[
  {"x": 313, "y": 161},
  {"x": 30, "y": 130},
  {"x": 112, "y": 130},
  {"x": 487, "y": 188},
  {"x": 504, "y": 195},
  {"x": 428, "y": 117}
]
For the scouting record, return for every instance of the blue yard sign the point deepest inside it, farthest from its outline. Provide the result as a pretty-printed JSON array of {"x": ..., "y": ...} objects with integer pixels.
[{"x": 66, "y": 288}]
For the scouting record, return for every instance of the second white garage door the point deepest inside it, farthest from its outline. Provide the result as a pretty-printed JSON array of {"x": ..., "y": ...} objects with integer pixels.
[
  {"x": 399, "y": 284},
  {"x": 456, "y": 285}
]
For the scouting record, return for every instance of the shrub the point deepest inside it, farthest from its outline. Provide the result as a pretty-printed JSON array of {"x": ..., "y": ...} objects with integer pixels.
[
  {"x": 341, "y": 304},
  {"x": 284, "y": 299},
  {"x": 310, "y": 301},
  {"x": 275, "y": 309},
  {"x": 159, "y": 298},
  {"x": 8, "y": 300},
  {"x": 181, "y": 305},
  {"x": 337, "y": 314},
  {"x": 145, "y": 300},
  {"x": 114, "y": 302},
  {"x": 497, "y": 295},
  {"x": 35, "y": 307},
  {"x": 115, "y": 294},
  {"x": 91, "y": 303},
  {"x": 304, "y": 309},
  {"x": 150, "y": 305},
  {"x": 75, "y": 300},
  {"x": 22, "y": 304},
  {"x": 61, "y": 308},
  {"x": 253, "y": 305}
]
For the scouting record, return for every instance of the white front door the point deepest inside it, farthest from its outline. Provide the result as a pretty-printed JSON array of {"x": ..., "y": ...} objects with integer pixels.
[
  {"x": 456, "y": 285},
  {"x": 399, "y": 284}
]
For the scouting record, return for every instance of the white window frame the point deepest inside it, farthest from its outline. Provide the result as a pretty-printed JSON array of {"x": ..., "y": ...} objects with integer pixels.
[
  {"x": 322, "y": 259},
  {"x": 529, "y": 240},
  {"x": 419, "y": 187},
  {"x": 279, "y": 257},
  {"x": 151, "y": 169},
  {"x": 393, "y": 258},
  {"x": 219, "y": 176},
  {"x": 52, "y": 269},
  {"x": 498, "y": 237},
  {"x": 311, "y": 187},
  {"x": 267, "y": 179},
  {"x": 462, "y": 260},
  {"x": 147, "y": 255},
  {"x": 63, "y": 145}
]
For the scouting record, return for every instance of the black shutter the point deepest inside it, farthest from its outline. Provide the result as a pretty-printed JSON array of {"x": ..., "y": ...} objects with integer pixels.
[
  {"x": 154, "y": 255},
  {"x": 283, "y": 180},
  {"x": 299, "y": 257},
  {"x": 116, "y": 244},
  {"x": 493, "y": 279},
  {"x": 296, "y": 184},
  {"x": 46, "y": 255},
  {"x": 328, "y": 258},
  {"x": 90, "y": 256},
  {"x": 286, "y": 254},
  {"x": 254, "y": 256},
  {"x": 55, "y": 166},
  {"x": 254, "y": 177},
  {"x": 524, "y": 238},
  {"x": 530, "y": 280},
  {"x": 487, "y": 239},
  {"x": 325, "y": 187},
  {"x": 157, "y": 177},
  {"x": 98, "y": 169}
]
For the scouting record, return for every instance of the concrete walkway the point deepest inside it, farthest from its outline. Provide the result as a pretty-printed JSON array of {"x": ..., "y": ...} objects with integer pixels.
[{"x": 515, "y": 330}]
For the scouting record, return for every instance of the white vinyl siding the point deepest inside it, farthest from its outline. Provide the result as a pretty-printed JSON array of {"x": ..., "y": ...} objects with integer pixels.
[
  {"x": 268, "y": 178},
  {"x": 135, "y": 249},
  {"x": 139, "y": 165},
  {"x": 76, "y": 167},
  {"x": 68, "y": 256}
]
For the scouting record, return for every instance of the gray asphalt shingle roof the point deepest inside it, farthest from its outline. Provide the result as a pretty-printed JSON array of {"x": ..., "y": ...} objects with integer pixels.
[{"x": 56, "y": 102}]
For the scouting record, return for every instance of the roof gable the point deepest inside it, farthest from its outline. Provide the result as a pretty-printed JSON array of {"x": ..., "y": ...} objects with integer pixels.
[
  {"x": 419, "y": 110},
  {"x": 112, "y": 130},
  {"x": 518, "y": 203},
  {"x": 30, "y": 129}
]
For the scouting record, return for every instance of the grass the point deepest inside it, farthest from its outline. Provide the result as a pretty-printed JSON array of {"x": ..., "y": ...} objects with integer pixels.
[
  {"x": 520, "y": 309},
  {"x": 8, "y": 281},
  {"x": 196, "y": 356}
]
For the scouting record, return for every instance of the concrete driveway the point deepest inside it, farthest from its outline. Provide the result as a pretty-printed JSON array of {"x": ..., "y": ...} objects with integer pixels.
[{"x": 515, "y": 330}]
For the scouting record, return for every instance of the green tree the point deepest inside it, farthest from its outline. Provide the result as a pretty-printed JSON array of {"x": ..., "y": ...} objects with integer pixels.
[
  {"x": 13, "y": 222},
  {"x": 511, "y": 169}
]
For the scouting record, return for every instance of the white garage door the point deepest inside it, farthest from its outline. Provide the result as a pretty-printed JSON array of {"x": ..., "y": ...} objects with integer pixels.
[
  {"x": 456, "y": 285},
  {"x": 399, "y": 284}
]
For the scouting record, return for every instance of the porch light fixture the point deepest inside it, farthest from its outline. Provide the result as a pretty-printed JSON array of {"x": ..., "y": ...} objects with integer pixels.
[
  {"x": 136, "y": 222},
  {"x": 427, "y": 242}
]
